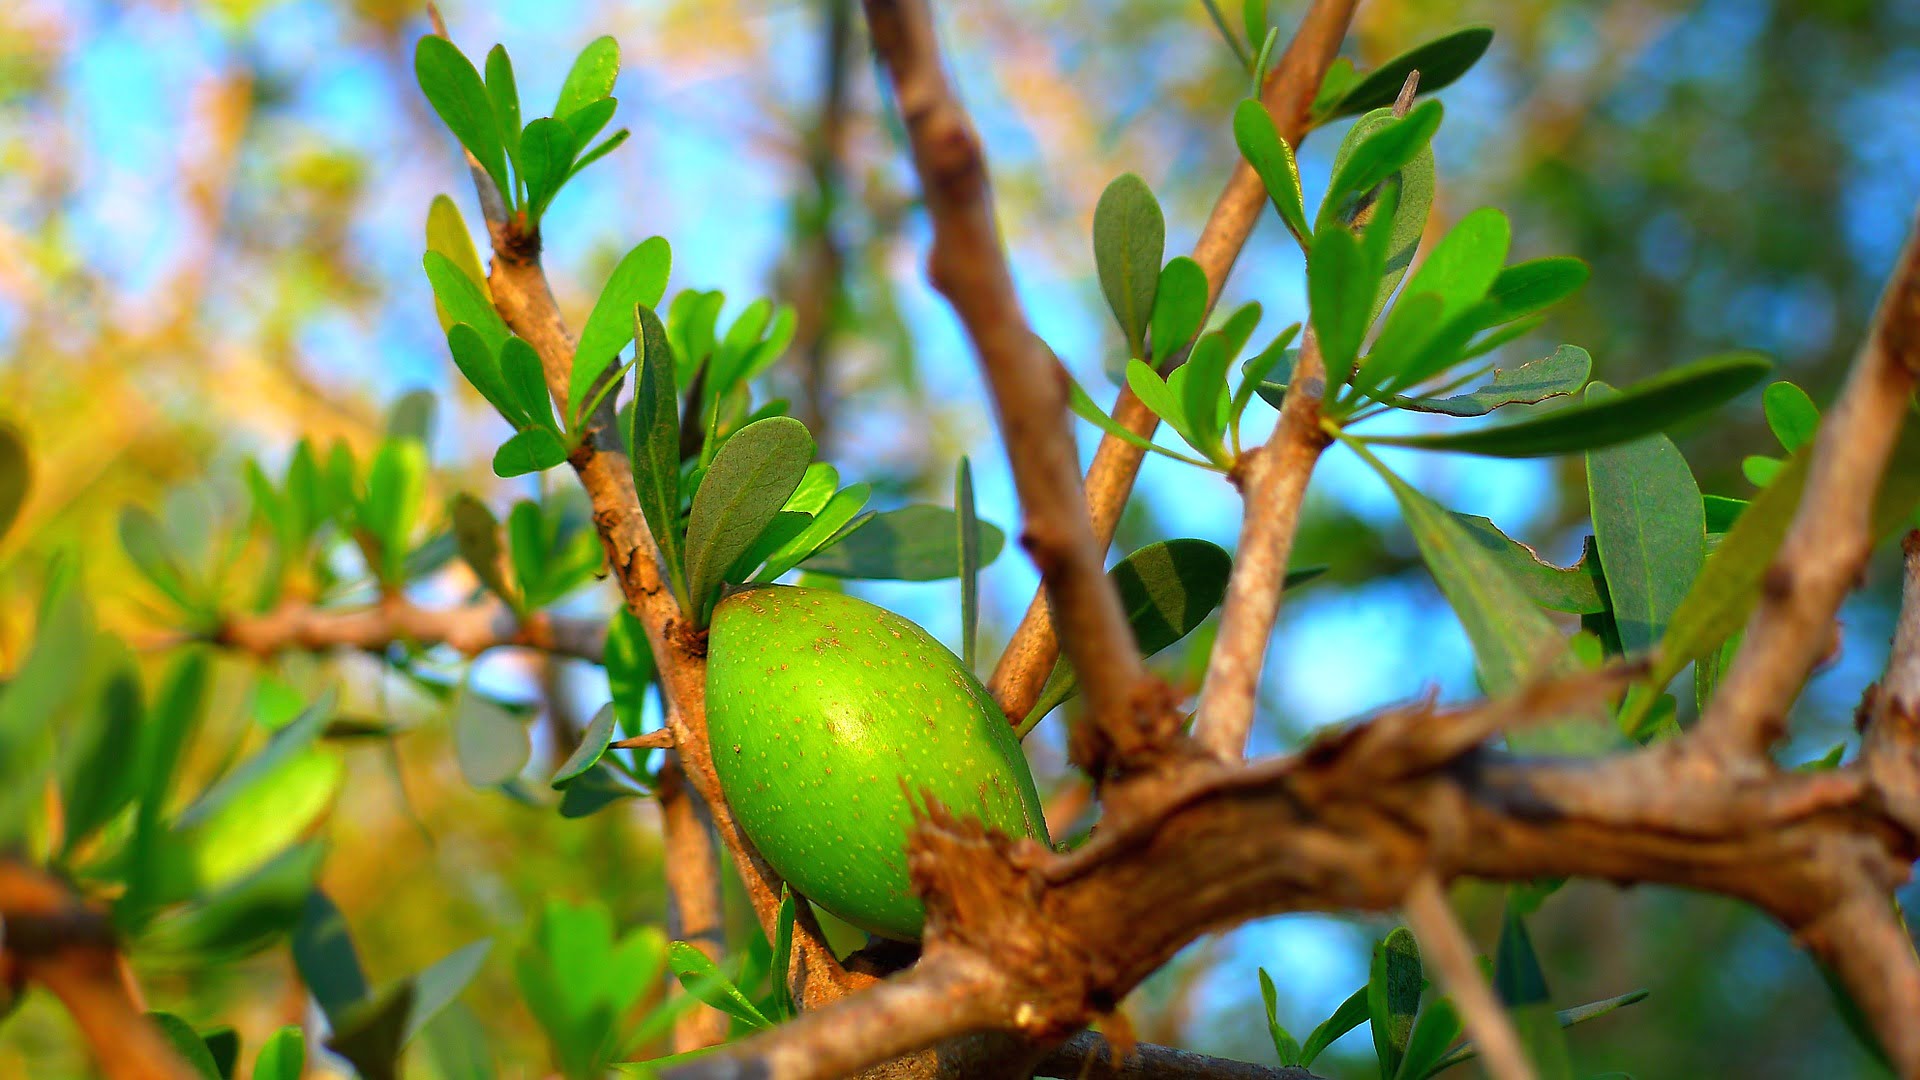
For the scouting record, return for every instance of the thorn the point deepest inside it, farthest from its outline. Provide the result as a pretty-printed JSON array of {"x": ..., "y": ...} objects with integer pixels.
[{"x": 1407, "y": 89}]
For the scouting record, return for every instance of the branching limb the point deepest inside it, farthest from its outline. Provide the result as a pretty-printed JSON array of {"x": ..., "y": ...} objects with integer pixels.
[
  {"x": 1820, "y": 560},
  {"x": 1289, "y": 92},
  {"x": 968, "y": 266},
  {"x": 1443, "y": 942},
  {"x": 47, "y": 937},
  {"x": 469, "y": 629}
]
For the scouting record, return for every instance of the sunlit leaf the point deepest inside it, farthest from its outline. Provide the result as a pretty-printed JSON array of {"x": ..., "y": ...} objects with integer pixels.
[
  {"x": 1260, "y": 143},
  {"x": 447, "y": 235},
  {"x": 187, "y": 1043},
  {"x": 749, "y": 481},
  {"x": 640, "y": 278},
  {"x": 1285, "y": 1046},
  {"x": 704, "y": 980},
  {"x": 1129, "y": 236},
  {"x": 1379, "y": 152},
  {"x": 530, "y": 451},
  {"x": 1179, "y": 307},
  {"x": 458, "y": 95},
  {"x": 654, "y": 440},
  {"x": 591, "y": 77},
  {"x": 283, "y": 1056}
]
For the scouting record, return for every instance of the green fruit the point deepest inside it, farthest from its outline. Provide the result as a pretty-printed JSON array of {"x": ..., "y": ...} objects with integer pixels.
[{"x": 830, "y": 718}]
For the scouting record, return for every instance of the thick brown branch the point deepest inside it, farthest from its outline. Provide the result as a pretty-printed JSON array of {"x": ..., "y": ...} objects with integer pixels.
[
  {"x": 469, "y": 629},
  {"x": 48, "y": 938},
  {"x": 968, "y": 266},
  {"x": 1820, "y": 560},
  {"x": 1290, "y": 88}
]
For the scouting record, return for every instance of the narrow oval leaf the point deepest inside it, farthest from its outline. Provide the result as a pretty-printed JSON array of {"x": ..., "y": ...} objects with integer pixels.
[
  {"x": 1260, "y": 143},
  {"x": 546, "y": 157},
  {"x": 1129, "y": 237},
  {"x": 1640, "y": 409},
  {"x": 593, "y": 743},
  {"x": 913, "y": 543},
  {"x": 1340, "y": 285},
  {"x": 1373, "y": 157},
  {"x": 1791, "y": 415},
  {"x": 967, "y": 539},
  {"x": 1525, "y": 288},
  {"x": 1650, "y": 529},
  {"x": 1439, "y": 62},
  {"x": 458, "y": 95},
  {"x": 283, "y": 1056},
  {"x": 504, "y": 93},
  {"x": 447, "y": 234},
  {"x": 1393, "y": 997},
  {"x": 530, "y": 451},
  {"x": 702, "y": 978},
  {"x": 187, "y": 1043},
  {"x": 640, "y": 278},
  {"x": 16, "y": 474},
  {"x": 591, "y": 77},
  {"x": 464, "y": 300},
  {"x": 491, "y": 744},
  {"x": 1179, "y": 307},
  {"x": 1557, "y": 375},
  {"x": 653, "y": 441},
  {"x": 749, "y": 481}
]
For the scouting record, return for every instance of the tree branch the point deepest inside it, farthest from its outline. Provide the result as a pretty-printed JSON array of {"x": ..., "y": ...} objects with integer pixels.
[
  {"x": 469, "y": 629},
  {"x": 1827, "y": 545},
  {"x": 1289, "y": 92},
  {"x": 48, "y": 937},
  {"x": 1087, "y": 1056},
  {"x": 968, "y": 266}
]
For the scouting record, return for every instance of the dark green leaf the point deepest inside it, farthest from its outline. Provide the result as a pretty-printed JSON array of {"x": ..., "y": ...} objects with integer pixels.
[
  {"x": 913, "y": 543},
  {"x": 1254, "y": 373},
  {"x": 546, "y": 161},
  {"x": 1650, "y": 530},
  {"x": 1413, "y": 186},
  {"x": 241, "y": 918},
  {"x": 481, "y": 366},
  {"x": 282, "y": 1057},
  {"x": 839, "y": 512},
  {"x": 597, "y": 788},
  {"x": 371, "y": 1033},
  {"x": 1260, "y": 143},
  {"x": 530, "y": 451},
  {"x": 1340, "y": 284},
  {"x": 630, "y": 669},
  {"x": 1369, "y": 160},
  {"x": 1179, "y": 307},
  {"x": 1523, "y": 989},
  {"x": 477, "y": 534},
  {"x": 783, "y": 953},
  {"x": 1564, "y": 372},
  {"x": 16, "y": 472},
  {"x": 324, "y": 955},
  {"x": 100, "y": 783},
  {"x": 1129, "y": 236},
  {"x": 1721, "y": 512},
  {"x": 640, "y": 279},
  {"x": 455, "y": 91},
  {"x": 655, "y": 446},
  {"x": 1439, "y": 63},
  {"x": 187, "y": 1043},
  {"x": 1166, "y": 589},
  {"x": 967, "y": 539},
  {"x": 1791, "y": 414},
  {"x": 1437, "y": 1028},
  {"x": 1641, "y": 409},
  {"x": 703, "y": 979},
  {"x": 1393, "y": 997},
  {"x": 591, "y": 77},
  {"x": 750, "y": 480},
  {"x": 593, "y": 743},
  {"x": 526, "y": 383},
  {"x": 1576, "y": 589},
  {"x": 1565, "y": 1017},
  {"x": 412, "y": 417}
]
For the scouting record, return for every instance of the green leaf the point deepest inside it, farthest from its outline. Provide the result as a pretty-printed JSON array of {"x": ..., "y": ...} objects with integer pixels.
[
  {"x": 584, "y": 124},
  {"x": 1260, "y": 143},
  {"x": 505, "y": 96},
  {"x": 1340, "y": 283},
  {"x": 1649, "y": 527},
  {"x": 1525, "y": 288},
  {"x": 1253, "y": 373},
  {"x": 839, "y": 511},
  {"x": 477, "y": 534},
  {"x": 598, "y": 788},
  {"x": 455, "y": 91},
  {"x": 1414, "y": 184},
  {"x": 1557, "y": 375},
  {"x": 147, "y": 548},
  {"x": 654, "y": 440},
  {"x": 1129, "y": 236},
  {"x": 530, "y": 451},
  {"x": 1179, "y": 307},
  {"x": 481, "y": 366},
  {"x": 1643, "y": 408},
  {"x": 447, "y": 235},
  {"x": 282, "y": 1057},
  {"x": 1376, "y": 155},
  {"x": 630, "y": 669},
  {"x": 1759, "y": 470},
  {"x": 324, "y": 955},
  {"x": 593, "y": 743},
  {"x": 1512, "y": 640},
  {"x": 640, "y": 278},
  {"x": 16, "y": 474},
  {"x": 1439, "y": 63},
  {"x": 1791, "y": 414},
  {"x": 491, "y": 744},
  {"x": 1566, "y": 1018},
  {"x": 187, "y": 1043},
  {"x": 783, "y": 953},
  {"x": 99, "y": 784},
  {"x": 526, "y": 384},
  {"x": 913, "y": 543},
  {"x": 1161, "y": 399},
  {"x": 1577, "y": 589},
  {"x": 1523, "y": 989},
  {"x": 750, "y": 480},
  {"x": 1284, "y": 1044},
  {"x": 464, "y": 300},
  {"x": 1437, "y": 1028},
  {"x": 1351, "y": 1014},
  {"x": 242, "y": 918},
  {"x": 1393, "y": 996},
  {"x": 440, "y": 984},
  {"x": 967, "y": 539},
  {"x": 591, "y": 77},
  {"x": 702, "y": 978},
  {"x": 170, "y": 723},
  {"x": 546, "y": 157},
  {"x": 1253, "y": 17},
  {"x": 1203, "y": 387},
  {"x": 396, "y": 484},
  {"x": 1166, "y": 589},
  {"x": 606, "y": 146},
  {"x": 412, "y": 417},
  {"x": 1462, "y": 268},
  {"x": 371, "y": 1033},
  {"x": 1084, "y": 407}
]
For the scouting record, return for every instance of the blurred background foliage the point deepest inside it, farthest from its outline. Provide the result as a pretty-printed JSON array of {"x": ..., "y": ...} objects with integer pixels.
[{"x": 210, "y": 228}]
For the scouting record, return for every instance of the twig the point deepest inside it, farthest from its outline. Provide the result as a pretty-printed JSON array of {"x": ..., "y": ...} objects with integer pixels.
[
  {"x": 1820, "y": 560},
  {"x": 1087, "y": 1056},
  {"x": 817, "y": 281},
  {"x": 652, "y": 740},
  {"x": 49, "y": 939},
  {"x": 968, "y": 266},
  {"x": 1442, "y": 941},
  {"x": 1290, "y": 88},
  {"x": 469, "y": 629}
]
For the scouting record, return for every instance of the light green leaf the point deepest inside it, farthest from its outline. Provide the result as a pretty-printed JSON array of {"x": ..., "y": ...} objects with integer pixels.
[
  {"x": 1791, "y": 414},
  {"x": 1084, "y": 407},
  {"x": 283, "y": 1056},
  {"x": 1285, "y": 1046},
  {"x": 1129, "y": 236},
  {"x": 640, "y": 278},
  {"x": 1640, "y": 409},
  {"x": 464, "y": 300},
  {"x": 839, "y": 511},
  {"x": 591, "y": 77},
  {"x": 1260, "y": 143},
  {"x": 546, "y": 156},
  {"x": 750, "y": 480},
  {"x": 455, "y": 91},
  {"x": 1204, "y": 387},
  {"x": 1179, "y": 307},
  {"x": 325, "y": 958},
  {"x": 441, "y": 982},
  {"x": 703, "y": 979},
  {"x": 913, "y": 543},
  {"x": 530, "y": 451},
  {"x": 447, "y": 234},
  {"x": 505, "y": 96},
  {"x": 1650, "y": 529}
]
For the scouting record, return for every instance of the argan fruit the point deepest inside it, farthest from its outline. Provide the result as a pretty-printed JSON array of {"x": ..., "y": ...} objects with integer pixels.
[{"x": 830, "y": 718}]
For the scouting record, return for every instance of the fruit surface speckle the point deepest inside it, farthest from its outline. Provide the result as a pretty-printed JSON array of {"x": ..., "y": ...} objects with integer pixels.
[{"x": 832, "y": 717}]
